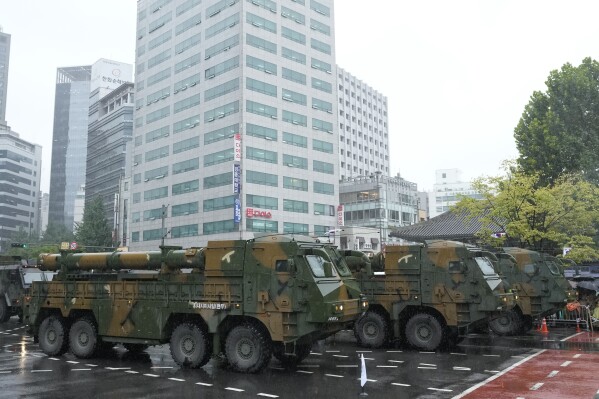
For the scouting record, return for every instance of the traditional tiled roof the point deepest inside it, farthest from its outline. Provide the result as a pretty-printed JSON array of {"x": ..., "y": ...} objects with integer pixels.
[{"x": 450, "y": 225}]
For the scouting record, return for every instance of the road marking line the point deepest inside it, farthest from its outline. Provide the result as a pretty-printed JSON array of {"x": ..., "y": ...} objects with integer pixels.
[
  {"x": 365, "y": 351},
  {"x": 394, "y": 351},
  {"x": 344, "y": 356},
  {"x": 494, "y": 377},
  {"x": 577, "y": 356},
  {"x": 91, "y": 365},
  {"x": 267, "y": 395},
  {"x": 518, "y": 357},
  {"x": 400, "y": 384},
  {"x": 427, "y": 352},
  {"x": 368, "y": 380},
  {"x": 334, "y": 375},
  {"x": 347, "y": 365},
  {"x": 234, "y": 389},
  {"x": 53, "y": 358},
  {"x": 151, "y": 375},
  {"x": 427, "y": 368},
  {"x": 160, "y": 367},
  {"x": 491, "y": 355},
  {"x": 333, "y": 351},
  {"x": 176, "y": 379},
  {"x": 309, "y": 365},
  {"x": 395, "y": 361},
  {"x": 132, "y": 372},
  {"x": 536, "y": 386},
  {"x": 566, "y": 363},
  {"x": 552, "y": 374},
  {"x": 305, "y": 372},
  {"x": 316, "y": 353},
  {"x": 439, "y": 389},
  {"x": 72, "y": 362},
  {"x": 205, "y": 384},
  {"x": 491, "y": 371},
  {"x": 388, "y": 366},
  {"x": 40, "y": 371},
  {"x": 462, "y": 368},
  {"x": 571, "y": 336},
  {"x": 80, "y": 369},
  {"x": 427, "y": 364},
  {"x": 368, "y": 358},
  {"x": 37, "y": 355},
  {"x": 5, "y": 372},
  {"x": 455, "y": 353},
  {"x": 117, "y": 368}
]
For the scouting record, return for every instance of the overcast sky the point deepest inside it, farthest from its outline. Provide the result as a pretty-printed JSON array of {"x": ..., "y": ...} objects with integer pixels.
[{"x": 457, "y": 74}]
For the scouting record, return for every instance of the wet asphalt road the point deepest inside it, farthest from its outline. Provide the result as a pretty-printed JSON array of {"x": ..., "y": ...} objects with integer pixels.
[{"x": 331, "y": 371}]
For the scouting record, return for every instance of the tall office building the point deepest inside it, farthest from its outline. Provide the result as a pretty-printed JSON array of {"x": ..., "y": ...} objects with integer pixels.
[
  {"x": 235, "y": 121},
  {"x": 447, "y": 190},
  {"x": 69, "y": 142},
  {"x": 20, "y": 175},
  {"x": 363, "y": 128},
  {"x": 110, "y": 136},
  {"x": 4, "y": 58}
]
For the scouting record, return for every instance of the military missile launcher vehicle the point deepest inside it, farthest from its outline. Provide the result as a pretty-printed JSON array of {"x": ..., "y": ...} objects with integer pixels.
[
  {"x": 16, "y": 276},
  {"x": 427, "y": 295},
  {"x": 248, "y": 300},
  {"x": 540, "y": 285}
]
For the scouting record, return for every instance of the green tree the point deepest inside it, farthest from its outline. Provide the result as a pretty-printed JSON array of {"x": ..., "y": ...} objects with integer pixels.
[
  {"x": 559, "y": 129},
  {"x": 542, "y": 218},
  {"x": 56, "y": 233},
  {"x": 94, "y": 229}
]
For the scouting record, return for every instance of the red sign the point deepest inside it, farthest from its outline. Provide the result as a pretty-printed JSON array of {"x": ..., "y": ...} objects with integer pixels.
[
  {"x": 257, "y": 213},
  {"x": 340, "y": 216},
  {"x": 237, "y": 147}
]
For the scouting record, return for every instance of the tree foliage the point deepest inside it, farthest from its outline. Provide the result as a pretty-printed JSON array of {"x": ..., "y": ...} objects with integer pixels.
[
  {"x": 56, "y": 233},
  {"x": 94, "y": 229},
  {"x": 542, "y": 218},
  {"x": 559, "y": 129}
]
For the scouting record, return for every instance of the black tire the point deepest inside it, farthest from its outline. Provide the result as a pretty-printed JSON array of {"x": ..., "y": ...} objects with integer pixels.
[
  {"x": 507, "y": 323},
  {"x": 53, "y": 336},
  {"x": 372, "y": 330},
  {"x": 135, "y": 348},
  {"x": 424, "y": 332},
  {"x": 288, "y": 360},
  {"x": 248, "y": 349},
  {"x": 189, "y": 346},
  {"x": 4, "y": 310},
  {"x": 83, "y": 338}
]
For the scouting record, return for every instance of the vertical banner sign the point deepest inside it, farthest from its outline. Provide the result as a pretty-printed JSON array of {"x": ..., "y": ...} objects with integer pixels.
[
  {"x": 237, "y": 212},
  {"x": 236, "y": 179},
  {"x": 237, "y": 147},
  {"x": 340, "y": 216}
]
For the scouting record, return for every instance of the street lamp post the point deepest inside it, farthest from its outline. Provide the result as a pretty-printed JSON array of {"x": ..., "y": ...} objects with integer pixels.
[{"x": 379, "y": 208}]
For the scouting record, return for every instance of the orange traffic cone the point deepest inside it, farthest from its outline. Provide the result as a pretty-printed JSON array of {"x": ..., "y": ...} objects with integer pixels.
[{"x": 544, "y": 329}]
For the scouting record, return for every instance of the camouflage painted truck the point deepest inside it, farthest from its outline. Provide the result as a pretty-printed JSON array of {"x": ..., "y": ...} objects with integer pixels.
[
  {"x": 427, "y": 295},
  {"x": 246, "y": 299},
  {"x": 540, "y": 285},
  {"x": 16, "y": 276}
]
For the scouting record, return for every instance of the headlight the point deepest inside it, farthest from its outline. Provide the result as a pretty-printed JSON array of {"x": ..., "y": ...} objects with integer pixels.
[
  {"x": 338, "y": 308},
  {"x": 364, "y": 304}
]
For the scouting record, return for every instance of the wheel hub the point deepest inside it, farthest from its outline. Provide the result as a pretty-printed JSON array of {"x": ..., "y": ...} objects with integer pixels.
[
  {"x": 83, "y": 338},
  {"x": 51, "y": 336},
  {"x": 424, "y": 332},
  {"x": 245, "y": 348},
  {"x": 188, "y": 345},
  {"x": 370, "y": 330}
]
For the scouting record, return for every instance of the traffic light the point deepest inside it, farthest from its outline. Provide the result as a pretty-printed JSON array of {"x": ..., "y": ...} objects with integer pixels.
[{"x": 19, "y": 245}]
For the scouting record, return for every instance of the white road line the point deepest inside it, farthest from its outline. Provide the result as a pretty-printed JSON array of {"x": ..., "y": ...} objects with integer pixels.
[
  {"x": 177, "y": 379},
  {"x": 491, "y": 355},
  {"x": 368, "y": 380},
  {"x": 267, "y": 395},
  {"x": 347, "y": 365},
  {"x": 571, "y": 336},
  {"x": 395, "y": 361},
  {"x": 343, "y": 356},
  {"x": 72, "y": 362},
  {"x": 459, "y": 354},
  {"x": 5, "y": 371},
  {"x": 234, "y": 389},
  {"x": 368, "y": 358},
  {"x": 536, "y": 386},
  {"x": 491, "y": 371},
  {"x": 400, "y": 384},
  {"x": 387, "y": 366},
  {"x": 577, "y": 356},
  {"x": 494, "y": 377},
  {"x": 334, "y": 375},
  {"x": 53, "y": 358},
  {"x": 365, "y": 351},
  {"x": 91, "y": 365},
  {"x": 566, "y": 363},
  {"x": 439, "y": 389},
  {"x": 316, "y": 353},
  {"x": 427, "y": 364},
  {"x": 427, "y": 352},
  {"x": 394, "y": 351},
  {"x": 427, "y": 368},
  {"x": 462, "y": 368},
  {"x": 305, "y": 372},
  {"x": 80, "y": 369},
  {"x": 117, "y": 368},
  {"x": 37, "y": 355},
  {"x": 333, "y": 351},
  {"x": 204, "y": 384},
  {"x": 552, "y": 374},
  {"x": 518, "y": 357},
  {"x": 151, "y": 375},
  {"x": 162, "y": 367},
  {"x": 40, "y": 371},
  {"x": 132, "y": 372}
]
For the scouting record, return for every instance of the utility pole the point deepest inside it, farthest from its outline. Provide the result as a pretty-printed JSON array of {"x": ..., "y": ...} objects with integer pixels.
[{"x": 162, "y": 231}]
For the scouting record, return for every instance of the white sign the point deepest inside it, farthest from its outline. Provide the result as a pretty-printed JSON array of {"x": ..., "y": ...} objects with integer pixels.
[{"x": 110, "y": 74}]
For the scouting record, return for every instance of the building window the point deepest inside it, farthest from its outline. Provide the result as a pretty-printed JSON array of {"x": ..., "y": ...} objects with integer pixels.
[
  {"x": 295, "y": 228},
  {"x": 215, "y": 204},
  {"x": 223, "y": 179}
]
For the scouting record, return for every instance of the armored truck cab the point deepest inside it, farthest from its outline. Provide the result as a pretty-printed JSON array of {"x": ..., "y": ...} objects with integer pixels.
[
  {"x": 427, "y": 294},
  {"x": 16, "y": 275},
  {"x": 540, "y": 284},
  {"x": 246, "y": 299}
]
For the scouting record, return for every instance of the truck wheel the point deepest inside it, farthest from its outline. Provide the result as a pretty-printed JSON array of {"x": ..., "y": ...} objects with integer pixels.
[
  {"x": 507, "y": 323},
  {"x": 4, "y": 311},
  {"x": 53, "y": 337},
  {"x": 248, "y": 349},
  {"x": 301, "y": 352},
  {"x": 83, "y": 338},
  {"x": 189, "y": 346},
  {"x": 372, "y": 330},
  {"x": 423, "y": 331},
  {"x": 135, "y": 348}
]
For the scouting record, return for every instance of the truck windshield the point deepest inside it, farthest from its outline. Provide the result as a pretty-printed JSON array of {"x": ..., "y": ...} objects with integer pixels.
[
  {"x": 485, "y": 266},
  {"x": 317, "y": 264},
  {"x": 553, "y": 267}
]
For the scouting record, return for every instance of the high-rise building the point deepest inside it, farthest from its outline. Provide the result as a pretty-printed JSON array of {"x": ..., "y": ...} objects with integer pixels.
[
  {"x": 20, "y": 175},
  {"x": 4, "y": 58},
  {"x": 363, "y": 128},
  {"x": 447, "y": 190},
  {"x": 109, "y": 142},
  {"x": 235, "y": 121},
  {"x": 69, "y": 141}
]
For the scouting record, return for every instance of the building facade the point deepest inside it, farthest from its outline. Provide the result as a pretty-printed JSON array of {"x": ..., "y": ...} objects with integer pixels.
[
  {"x": 378, "y": 201},
  {"x": 20, "y": 174},
  {"x": 363, "y": 128},
  {"x": 447, "y": 190},
  {"x": 110, "y": 135},
  {"x": 4, "y": 58},
  {"x": 235, "y": 120}
]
